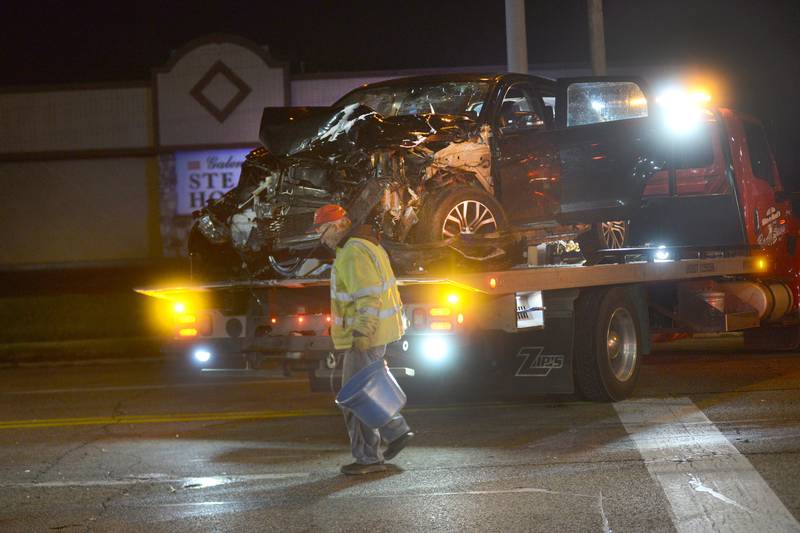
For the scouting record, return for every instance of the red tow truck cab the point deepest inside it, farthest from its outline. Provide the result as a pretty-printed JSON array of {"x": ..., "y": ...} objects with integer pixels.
[{"x": 724, "y": 188}]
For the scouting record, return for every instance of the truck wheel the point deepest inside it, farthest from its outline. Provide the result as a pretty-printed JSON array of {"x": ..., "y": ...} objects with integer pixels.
[
  {"x": 460, "y": 209},
  {"x": 607, "y": 345}
]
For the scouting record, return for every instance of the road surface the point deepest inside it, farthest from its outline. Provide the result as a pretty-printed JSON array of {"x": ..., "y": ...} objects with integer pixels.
[{"x": 709, "y": 442}]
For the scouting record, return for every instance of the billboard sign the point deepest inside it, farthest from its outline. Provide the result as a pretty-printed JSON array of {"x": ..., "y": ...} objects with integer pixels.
[{"x": 206, "y": 175}]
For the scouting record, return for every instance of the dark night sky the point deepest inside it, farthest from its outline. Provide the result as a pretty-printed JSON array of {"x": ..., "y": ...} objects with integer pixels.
[{"x": 753, "y": 44}]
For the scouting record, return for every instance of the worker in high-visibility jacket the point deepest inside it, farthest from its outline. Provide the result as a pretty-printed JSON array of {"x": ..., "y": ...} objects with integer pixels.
[{"x": 367, "y": 314}]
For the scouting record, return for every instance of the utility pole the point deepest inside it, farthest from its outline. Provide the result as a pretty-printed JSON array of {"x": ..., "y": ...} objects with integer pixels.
[
  {"x": 597, "y": 40},
  {"x": 516, "y": 38}
]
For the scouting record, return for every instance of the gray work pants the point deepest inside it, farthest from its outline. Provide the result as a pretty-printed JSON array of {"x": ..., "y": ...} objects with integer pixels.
[{"x": 365, "y": 441}]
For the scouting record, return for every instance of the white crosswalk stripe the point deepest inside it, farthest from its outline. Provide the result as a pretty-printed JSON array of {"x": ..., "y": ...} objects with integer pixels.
[{"x": 709, "y": 484}]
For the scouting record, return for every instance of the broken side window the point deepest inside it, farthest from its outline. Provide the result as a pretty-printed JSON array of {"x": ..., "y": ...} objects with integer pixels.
[{"x": 604, "y": 101}]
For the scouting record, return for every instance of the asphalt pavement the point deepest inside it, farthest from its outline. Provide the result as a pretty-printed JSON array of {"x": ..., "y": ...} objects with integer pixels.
[{"x": 709, "y": 442}]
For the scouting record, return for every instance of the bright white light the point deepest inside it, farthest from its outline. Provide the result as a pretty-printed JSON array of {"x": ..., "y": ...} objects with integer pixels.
[
  {"x": 435, "y": 348},
  {"x": 598, "y": 106},
  {"x": 662, "y": 254},
  {"x": 683, "y": 120},
  {"x": 683, "y": 112},
  {"x": 202, "y": 356}
]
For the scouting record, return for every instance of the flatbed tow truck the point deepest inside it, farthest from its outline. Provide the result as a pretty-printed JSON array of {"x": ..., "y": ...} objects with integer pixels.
[{"x": 553, "y": 328}]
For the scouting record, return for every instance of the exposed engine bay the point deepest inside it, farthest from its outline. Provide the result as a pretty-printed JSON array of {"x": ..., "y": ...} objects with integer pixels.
[{"x": 383, "y": 170}]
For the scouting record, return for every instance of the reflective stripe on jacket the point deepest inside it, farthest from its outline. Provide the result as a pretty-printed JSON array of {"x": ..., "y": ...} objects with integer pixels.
[{"x": 364, "y": 296}]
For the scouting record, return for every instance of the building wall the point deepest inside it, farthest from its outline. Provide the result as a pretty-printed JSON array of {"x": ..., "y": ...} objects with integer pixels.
[
  {"x": 81, "y": 211},
  {"x": 87, "y": 119}
]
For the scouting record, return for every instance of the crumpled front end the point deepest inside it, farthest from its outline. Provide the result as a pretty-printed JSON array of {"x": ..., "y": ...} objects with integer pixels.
[{"x": 381, "y": 169}]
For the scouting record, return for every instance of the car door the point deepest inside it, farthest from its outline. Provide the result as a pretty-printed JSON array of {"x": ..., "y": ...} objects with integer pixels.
[
  {"x": 602, "y": 137},
  {"x": 526, "y": 160}
]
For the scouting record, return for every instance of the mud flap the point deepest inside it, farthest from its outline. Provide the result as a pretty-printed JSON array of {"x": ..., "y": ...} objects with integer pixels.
[{"x": 541, "y": 361}]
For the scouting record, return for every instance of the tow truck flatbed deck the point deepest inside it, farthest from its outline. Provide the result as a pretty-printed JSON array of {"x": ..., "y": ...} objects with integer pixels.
[{"x": 515, "y": 280}]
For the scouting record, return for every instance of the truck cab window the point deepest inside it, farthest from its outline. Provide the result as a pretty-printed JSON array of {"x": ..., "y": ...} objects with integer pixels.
[
  {"x": 696, "y": 159},
  {"x": 760, "y": 160}
]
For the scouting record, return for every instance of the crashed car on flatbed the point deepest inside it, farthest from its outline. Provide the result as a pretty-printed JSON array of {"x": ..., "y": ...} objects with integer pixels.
[{"x": 470, "y": 163}]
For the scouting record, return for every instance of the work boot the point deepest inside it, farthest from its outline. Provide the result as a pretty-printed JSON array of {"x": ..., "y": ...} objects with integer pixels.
[
  {"x": 397, "y": 444},
  {"x": 357, "y": 469}
]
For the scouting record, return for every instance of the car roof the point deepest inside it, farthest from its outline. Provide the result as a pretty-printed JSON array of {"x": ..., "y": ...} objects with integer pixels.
[{"x": 493, "y": 77}]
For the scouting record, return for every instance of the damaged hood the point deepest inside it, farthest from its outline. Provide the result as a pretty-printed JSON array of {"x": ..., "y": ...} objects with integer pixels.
[{"x": 332, "y": 132}]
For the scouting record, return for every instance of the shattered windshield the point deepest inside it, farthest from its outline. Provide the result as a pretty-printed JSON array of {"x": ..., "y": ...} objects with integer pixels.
[{"x": 443, "y": 98}]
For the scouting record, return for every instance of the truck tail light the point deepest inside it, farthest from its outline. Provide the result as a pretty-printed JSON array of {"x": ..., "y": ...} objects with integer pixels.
[
  {"x": 441, "y": 326},
  {"x": 187, "y": 332}
]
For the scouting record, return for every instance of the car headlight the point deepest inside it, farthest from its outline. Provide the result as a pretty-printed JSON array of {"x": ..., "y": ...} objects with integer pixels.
[{"x": 212, "y": 229}]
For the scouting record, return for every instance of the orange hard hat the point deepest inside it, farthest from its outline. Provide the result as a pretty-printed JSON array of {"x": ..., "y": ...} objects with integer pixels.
[{"x": 328, "y": 213}]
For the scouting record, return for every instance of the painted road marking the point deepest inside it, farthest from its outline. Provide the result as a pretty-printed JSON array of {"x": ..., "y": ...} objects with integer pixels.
[
  {"x": 710, "y": 486},
  {"x": 34, "y": 423},
  {"x": 166, "y": 418},
  {"x": 184, "y": 482},
  {"x": 153, "y": 387},
  {"x": 519, "y": 490}
]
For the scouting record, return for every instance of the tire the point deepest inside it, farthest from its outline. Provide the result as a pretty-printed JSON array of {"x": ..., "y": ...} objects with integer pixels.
[
  {"x": 439, "y": 217},
  {"x": 607, "y": 344},
  {"x": 603, "y": 236}
]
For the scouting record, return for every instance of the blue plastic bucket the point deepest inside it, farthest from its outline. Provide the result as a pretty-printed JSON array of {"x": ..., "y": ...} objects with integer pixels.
[{"x": 373, "y": 395}]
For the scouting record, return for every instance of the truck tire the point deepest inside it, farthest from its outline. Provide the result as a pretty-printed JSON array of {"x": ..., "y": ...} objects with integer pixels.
[
  {"x": 468, "y": 209},
  {"x": 607, "y": 344}
]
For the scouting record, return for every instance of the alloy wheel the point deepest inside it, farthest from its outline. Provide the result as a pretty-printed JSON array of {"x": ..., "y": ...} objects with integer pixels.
[
  {"x": 613, "y": 233},
  {"x": 469, "y": 217}
]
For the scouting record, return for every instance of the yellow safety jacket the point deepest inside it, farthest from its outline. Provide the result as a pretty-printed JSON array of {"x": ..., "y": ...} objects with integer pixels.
[{"x": 364, "y": 296}]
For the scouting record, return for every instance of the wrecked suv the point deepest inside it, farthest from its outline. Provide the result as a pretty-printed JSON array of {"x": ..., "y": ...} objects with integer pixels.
[{"x": 436, "y": 162}]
